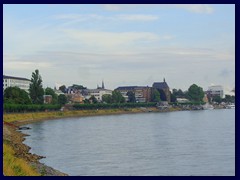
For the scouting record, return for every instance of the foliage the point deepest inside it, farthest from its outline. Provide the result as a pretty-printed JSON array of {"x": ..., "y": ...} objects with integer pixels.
[
  {"x": 173, "y": 98},
  {"x": 117, "y": 97},
  {"x": 63, "y": 88},
  {"x": 93, "y": 99},
  {"x": 178, "y": 93},
  {"x": 156, "y": 96},
  {"x": 229, "y": 99},
  {"x": 131, "y": 97},
  {"x": 217, "y": 99},
  {"x": 50, "y": 91},
  {"x": 112, "y": 106},
  {"x": 15, "y": 95},
  {"x": 13, "y": 166},
  {"x": 62, "y": 99},
  {"x": 36, "y": 90},
  {"x": 195, "y": 93},
  {"x": 76, "y": 86},
  {"x": 107, "y": 98},
  {"x": 29, "y": 108}
]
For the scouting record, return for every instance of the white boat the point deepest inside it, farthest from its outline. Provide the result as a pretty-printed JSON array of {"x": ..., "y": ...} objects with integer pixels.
[{"x": 230, "y": 106}]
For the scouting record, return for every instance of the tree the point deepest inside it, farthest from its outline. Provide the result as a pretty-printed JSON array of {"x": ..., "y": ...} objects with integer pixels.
[
  {"x": 50, "y": 91},
  {"x": 76, "y": 86},
  {"x": 15, "y": 95},
  {"x": 217, "y": 99},
  {"x": 35, "y": 89},
  {"x": 107, "y": 98},
  {"x": 195, "y": 93},
  {"x": 173, "y": 98},
  {"x": 93, "y": 99},
  {"x": 131, "y": 97},
  {"x": 178, "y": 93},
  {"x": 62, "y": 99},
  {"x": 117, "y": 97},
  {"x": 156, "y": 96},
  {"x": 63, "y": 88}
]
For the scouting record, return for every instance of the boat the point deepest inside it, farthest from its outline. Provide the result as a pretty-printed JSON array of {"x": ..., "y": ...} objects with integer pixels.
[{"x": 230, "y": 106}]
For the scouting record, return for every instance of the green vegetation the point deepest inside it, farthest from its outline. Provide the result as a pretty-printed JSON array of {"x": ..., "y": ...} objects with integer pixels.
[
  {"x": 10, "y": 108},
  {"x": 117, "y": 97},
  {"x": 112, "y": 106},
  {"x": 156, "y": 96},
  {"x": 62, "y": 88},
  {"x": 195, "y": 93},
  {"x": 50, "y": 91},
  {"x": 107, "y": 98},
  {"x": 14, "y": 166},
  {"x": 62, "y": 99},
  {"x": 15, "y": 95},
  {"x": 131, "y": 97},
  {"x": 36, "y": 90}
]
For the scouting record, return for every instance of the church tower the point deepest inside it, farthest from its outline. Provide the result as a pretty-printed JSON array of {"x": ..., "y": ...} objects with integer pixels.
[{"x": 103, "y": 85}]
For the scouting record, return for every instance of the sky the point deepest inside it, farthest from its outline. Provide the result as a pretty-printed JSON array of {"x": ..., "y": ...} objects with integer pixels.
[{"x": 132, "y": 44}]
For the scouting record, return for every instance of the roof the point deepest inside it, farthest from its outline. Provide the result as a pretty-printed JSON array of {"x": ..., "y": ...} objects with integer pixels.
[
  {"x": 129, "y": 88},
  {"x": 160, "y": 85},
  {"x": 12, "y": 77}
]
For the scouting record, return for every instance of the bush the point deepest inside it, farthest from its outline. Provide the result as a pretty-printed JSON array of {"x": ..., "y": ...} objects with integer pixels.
[{"x": 11, "y": 108}]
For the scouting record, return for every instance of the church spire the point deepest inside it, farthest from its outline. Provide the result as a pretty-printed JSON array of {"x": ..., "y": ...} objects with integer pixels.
[
  {"x": 163, "y": 79},
  {"x": 103, "y": 85}
]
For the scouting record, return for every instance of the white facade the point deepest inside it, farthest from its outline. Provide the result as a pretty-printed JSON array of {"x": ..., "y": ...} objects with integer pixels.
[
  {"x": 98, "y": 93},
  {"x": 10, "y": 81},
  {"x": 216, "y": 91}
]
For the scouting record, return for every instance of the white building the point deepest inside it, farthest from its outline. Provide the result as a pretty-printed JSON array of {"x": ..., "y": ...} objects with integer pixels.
[
  {"x": 98, "y": 93},
  {"x": 10, "y": 81},
  {"x": 215, "y": 91}
]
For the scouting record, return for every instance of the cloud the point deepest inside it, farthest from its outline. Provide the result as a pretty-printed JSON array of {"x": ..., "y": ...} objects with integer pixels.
[
  {"x": 120, "y": 17},
  {"x": 196, "y": 8},
  {"x": 104, "y": 39},
  {"x": 137, "y": 17}
]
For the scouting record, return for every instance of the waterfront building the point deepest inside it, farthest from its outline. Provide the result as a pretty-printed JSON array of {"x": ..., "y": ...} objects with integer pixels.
[
  {"x": 142, "y": 93},
  {"x": 11, "y": 81},
  {"x": 216, "y": 90},
  {"x": 98, "y": 93},
  {"x": 164, "y": 90},
  {"x": 47, "y": 99}
]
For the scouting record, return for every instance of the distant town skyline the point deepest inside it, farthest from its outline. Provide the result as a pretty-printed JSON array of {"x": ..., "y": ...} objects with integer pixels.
[{"x": 121, "y": 44}]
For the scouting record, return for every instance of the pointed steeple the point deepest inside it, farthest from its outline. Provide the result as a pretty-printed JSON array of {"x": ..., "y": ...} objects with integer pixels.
[
  {"x": 103, "y": 85},
  {"x": 163, "y": 79}
]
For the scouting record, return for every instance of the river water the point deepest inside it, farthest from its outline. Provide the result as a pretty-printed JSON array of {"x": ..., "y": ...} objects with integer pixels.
[{"x": 167, "y": 144}]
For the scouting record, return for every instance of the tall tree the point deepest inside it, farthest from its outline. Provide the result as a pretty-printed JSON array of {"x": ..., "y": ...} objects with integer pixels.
[
  {"x": 50, "y": 91},
  {"x": 16, "y": 95},
  {"x": 155, "y": 96},
  {"x": 93, "y": 99},
  {"x": 62, "y": 88},
  {"x": 107, "y": 98},
  {"x": 117, "y": 97},
  {"x": 195, "y": 93},
  {"x": 62, "y": 99},
  {"x": 35, "y": 89},
  {"x": 131, "y": 97}
]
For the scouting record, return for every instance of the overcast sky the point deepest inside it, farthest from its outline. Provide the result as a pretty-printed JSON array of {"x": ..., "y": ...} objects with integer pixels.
[{"x": 121, "y": 44}]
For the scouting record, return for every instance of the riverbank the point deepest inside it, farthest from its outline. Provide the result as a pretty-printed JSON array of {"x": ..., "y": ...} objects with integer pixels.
[{"x": 18, "y": 160}]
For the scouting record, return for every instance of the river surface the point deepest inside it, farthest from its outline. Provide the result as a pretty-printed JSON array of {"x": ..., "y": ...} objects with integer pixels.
[{"x": 166, "y": 144}]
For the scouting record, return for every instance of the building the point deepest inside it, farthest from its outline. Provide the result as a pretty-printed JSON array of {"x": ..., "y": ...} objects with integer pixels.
[
  {"x": 164, "y": 90},
  {"x": 98, "y": 93},
  {"x": 47, "y": 99},
  {"x": 215, "y": 91},
  {"x": 142, "y": 93},
  {"x": 10, "y": 81}
]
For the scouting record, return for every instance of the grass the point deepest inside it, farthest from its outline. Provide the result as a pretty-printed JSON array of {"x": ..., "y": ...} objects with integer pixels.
[
  {"x": 13, "y": 166},
  {"x": 56, "y": 114}
]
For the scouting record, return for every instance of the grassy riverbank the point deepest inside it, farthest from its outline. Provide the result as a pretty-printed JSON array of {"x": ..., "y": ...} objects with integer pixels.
[{"x": 16, "y": 157}]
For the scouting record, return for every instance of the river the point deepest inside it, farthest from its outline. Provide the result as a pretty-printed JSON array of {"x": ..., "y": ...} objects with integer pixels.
[{"x": 184, "y": 143}]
